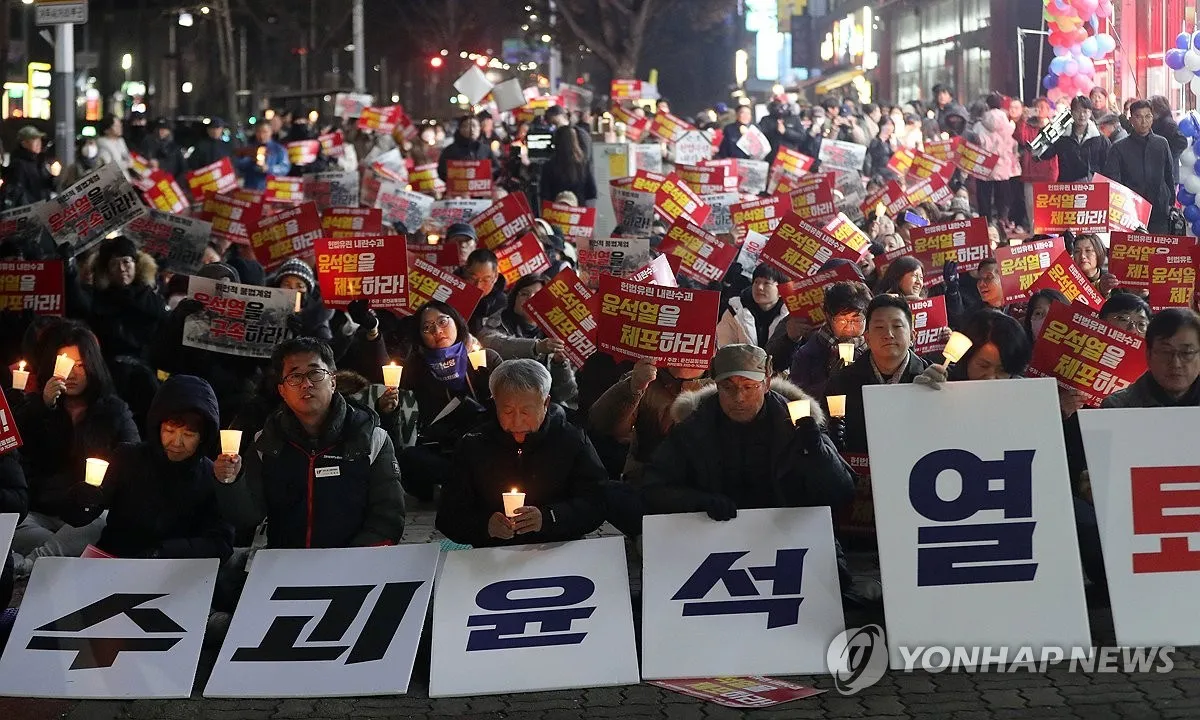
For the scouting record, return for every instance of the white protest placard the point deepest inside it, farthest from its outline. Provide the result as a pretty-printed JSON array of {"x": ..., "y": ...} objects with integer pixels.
[
  {"x": 706, "y": 613},
  {"x": 8, "y": 525},
  {"x": 237, "y": 319},
  {"x": 99, "y": 203},
  {"x": 848, "y": 155},
  {"x": 327, "y": 623},
  {"x": 975, "y": 526},
  {"x": 748, "y": 254},
  {"x": 351, "y": 105},
  {"x": 176, "y": 241},
  {"x": 1145, "y": 474},
  {"x": 447, "y": 211},
  {"x": 752, "y": 176},
  {"x": 610, "y": 161},
  {"x": 109, "y": 628},
  {"x": 691, "y": 148},
  {"x": 332, "y": 189},
  {"x": 649, "y": 157},
  {"x": 474, "y": 84},
  {"x": 720, "y": 220},
  {"x": 508, "y": 95},
  {"x": 411, "y": 209},
  {"x": 754, "y": 143},
  {"x": 533, "y": 618}
]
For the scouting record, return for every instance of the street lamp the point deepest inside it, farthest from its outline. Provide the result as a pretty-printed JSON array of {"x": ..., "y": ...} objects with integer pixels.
[
  {"x": 186, "y": 88},
  {"x": 127, "y": 65},
  {"x": 185, "y": 19}
]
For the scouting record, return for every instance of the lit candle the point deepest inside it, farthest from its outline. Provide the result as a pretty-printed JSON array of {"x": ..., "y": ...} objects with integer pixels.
[
  {"x": 837, "y": 405},
  {"x": 93, "y": 473},
  {"x": 63, "y": 366},
  {"x": 799, "y": 409},
  {"x": 956, "y": 347},
  {"x": 231, "y": 442},
  {"x": 391, "y": 375},
  {"x": 20, "y": 376},
  {"x": 512, "y": 501},
  {"x": 431, "y": 239},
  {"x": 478, "y": 358},
  {"x": 299, "y": 299},
  {"x": 846, "y": 351}
]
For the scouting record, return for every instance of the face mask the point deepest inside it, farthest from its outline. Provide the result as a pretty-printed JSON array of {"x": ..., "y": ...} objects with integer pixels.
[{"x": 90, "y": 151}]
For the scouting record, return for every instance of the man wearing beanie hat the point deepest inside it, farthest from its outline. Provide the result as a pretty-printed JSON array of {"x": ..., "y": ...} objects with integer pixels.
[
  {"x": 125, "y": 308},
  {"x": 313, "y": 319}
]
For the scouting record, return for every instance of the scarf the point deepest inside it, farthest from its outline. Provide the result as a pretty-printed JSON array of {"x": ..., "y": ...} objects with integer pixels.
[{"x": 449, "y": 366}]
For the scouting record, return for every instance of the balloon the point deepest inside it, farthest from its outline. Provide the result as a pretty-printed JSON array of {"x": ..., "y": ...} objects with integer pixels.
[
  {"x": 1196, "y": 229},
  {"x": 1071, "y": 68},
  {"x": 1191, "y": 60},
  {"x": 1188, "y": 157},
  {"x": 1174, "y": 59},
  {"x": 1087, "y": 68},
  {"x": 1183, "y": 41},
  {"x": 1050, "y": 82},
  {"x": 1057, "y": 65},
  {"x": 1104, "y": 10},
  {"x": 1187, "y": 126},
  {"x": 1083, "y": 84},
  {"x": 1183, "y": 76},
  {"x": 1061, "y": 50},
  {"x": 1185, "y": 198},
  {"x": 1192, "y": 183},
  {"x": 1196, "y": 85},
  {"x": 1090, "y": 47},
  {"x": 1106, "y": 42},
  {"x": 1192, "y": 213}
]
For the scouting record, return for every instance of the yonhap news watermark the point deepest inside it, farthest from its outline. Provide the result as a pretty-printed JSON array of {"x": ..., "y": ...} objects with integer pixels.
[{"x": 858, "y": 658}]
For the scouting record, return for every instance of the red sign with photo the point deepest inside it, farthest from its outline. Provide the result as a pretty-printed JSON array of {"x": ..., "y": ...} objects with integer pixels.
[
  {"x": 1126, "y": 209},
  {"x": 1064, "y": 276},
  {"x": 1087, "y": 354},
  {"x": 10, "y": 436},
  {"x": 977, "y": 162},
  {"x": 280, "y": 237},
  {"x": 805, "y": 298},
  {"x": 962, "y": 241},
  {"x": 342, "y": 222},
  {"x": 575, "y": 223},
  {"x": 702, "y": 255},
  {"x": 427, "y": 282},
  {"x": 762, "y": 216},
  {"x": 217, "y": 177},
  {"x": 163, "y": 193},
  {"x": 740, "y": 692},
  {"x": 799, "y": 249},
  {"x": 371, "y": 269},
  {"x": 1078, "y": 207},
  {"x": 1021, "y": 265},
  {"x": 931, "y": 324},
  {"x": 812, "y": 198},
  {"x": 563, "y": 310},
  {"x": 289, "y": 190},
  {"x": 1172, "y": 278},
  {"x": 34, "y": 285},
  {"x": 674, "y": 199},
  {"x": 507, "y": 218},
  {"x": 469, "y": 178},
  {"x": 522, "y": 257},
  {"x": 791, "y": 162},
  {"x": 646, "y": 322},
  {"x": 231, "y": 217}
]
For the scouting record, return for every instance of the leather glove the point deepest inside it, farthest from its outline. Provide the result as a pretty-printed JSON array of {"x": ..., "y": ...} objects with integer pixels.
[
  {"x": 950, "y": 276},
  {"x": 720, "y": 507},
  {"x": 362, "y": 315},
  {"x": 808, "y": 434}
]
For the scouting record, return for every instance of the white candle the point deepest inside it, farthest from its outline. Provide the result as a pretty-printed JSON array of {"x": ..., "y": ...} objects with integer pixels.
[
  {"x": 846, "y": 351},
  {"x": 837, "y": 405},
  {"x": 512, "y": 501},
  {"x": 93, "y": 473},
  {"x": 299, "y": 300},
  {"x": 799, "y": 409},
  {"x": 63, "y": 366},
  {"x": 391, "y": 375},
  {"x": 478, "y": 358},
  {"x": 956, "y": 347},
  {"x": 231, "y": 442},
  {"x": 20, "y": 376}
]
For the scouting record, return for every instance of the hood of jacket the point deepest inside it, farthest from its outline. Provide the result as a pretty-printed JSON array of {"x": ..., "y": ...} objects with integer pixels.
[
  {"x": 180, "y": 394},
  {"x": 688, "y": 402},
  {"x": 1091, "y": 132},
  {"x": 996, "y": 121},
  {"x": 145, "y": 272}
]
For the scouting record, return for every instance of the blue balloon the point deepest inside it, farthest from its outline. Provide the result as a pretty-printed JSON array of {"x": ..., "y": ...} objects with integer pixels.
[
  {"x": 1192, "y": 213},
  {"x": 1196, "y": 229},
  {"x": 1061, "y": 51},
  {"x": 1174, "y": 59},
  {"x": 1050, "y": 81},
  {"x": 1090, "y": 47},
  {"x": 1183, "y": 41},
  {"x": 1058, "y": 63},
  {"x": 1185, "y": 198},
  {"x": 1187, "y": 126},
  {"x": 1196, "y": 40}
]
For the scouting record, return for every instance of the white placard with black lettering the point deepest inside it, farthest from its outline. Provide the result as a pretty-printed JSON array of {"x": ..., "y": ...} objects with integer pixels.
[
  {"x": 533, "y": 618},
  {"x": 109, "y": 629},
  {"x": 1145, "y": 475},
  {"x": 974, "y": 516},
  {"x": 325, "y": 623},
  {"x": 752, "y": 596},
  {"x": 8, "y": 525}
]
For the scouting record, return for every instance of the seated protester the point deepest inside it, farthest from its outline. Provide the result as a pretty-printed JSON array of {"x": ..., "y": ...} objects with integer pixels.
[
  {"x": 1128, "y": 311},
  {"x": 1173, "y": 359},
  {"x": 985, "y": 292},
  {"x": 14, "y": 498},
  {"x": 530, "y": 443},
  {"x": 1036, "y": 309},
  {"x": 816, "y": 359},
  {"x": 358, "y": 343},
  {"x": 73, "y": 420},
  {"x": 159, "y": 493},
  {"x": 753, "y": 314},
  {"x": 321, "y": 471},
  {"x": 313, "y": 318},
  {"x": 890, "y": 360},
  {"x": 904, "y": 277},
  {"x": 512, "y": 334},
  {"x": 125, "y": 309},
  {"x": 1091, "y": 258},
  {"x": 1000, "y": 350},
  {"x": 795, "y": 331},
  {"x": 483, "y": 271},
  {"x": 462, "y": 235}
]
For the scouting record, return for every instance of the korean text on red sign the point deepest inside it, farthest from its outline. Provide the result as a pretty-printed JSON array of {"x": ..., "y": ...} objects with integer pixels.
[
  {"x": 34, "y": 285},
  {"x": 291, "y": 233},
  {"x": 962, "y": 241},
  {"x": 762, "y": 216},
  {"x": 674, "y": 199},
  {"x": 231, "y": 217},
  {"x": 522, "y": 257},
  {"x": 575, "y": 223},
  {"x": 469, "y": 178},
  {"x": 1021, "y": 265},
  {"x": 371, "y": 269},
  {"x": 1078, "y": 207},
  {"x": 703, "y": 257},
  {"x": 1172, "y": 279},
  {"x": 563, "y": 310},
  {"x": 506, "y": 219},
  {"x": 214, "y": 178},
  {"x": 931, "y": 324},
  {"x": 347, "y": 222},
  {"x": 805, "y": 298},
  {"x": 648, "y": 322},
  {"x": 427, "y": 282},
  {"x": 1129, "y": 255},
  {"x": 1065, "y": 277},
  {"x": 1086, "y": 353},
  {"x": 799, "y": 249}
]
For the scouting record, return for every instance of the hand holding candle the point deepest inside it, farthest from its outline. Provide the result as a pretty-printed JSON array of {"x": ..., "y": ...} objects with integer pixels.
[
  {"x": 391, "y": 375},
  {"x": 20, "y": 376},
  {"x": 231, "y": 442},
  {"x": 799, "y": 409},
  {"x": 93, "y": 473},
  {"x": 478, "y": 358},
  {"x": 63, "y": 365},
  {"x": 512, "y": 501},
  {"x": 956, "y": 347}
]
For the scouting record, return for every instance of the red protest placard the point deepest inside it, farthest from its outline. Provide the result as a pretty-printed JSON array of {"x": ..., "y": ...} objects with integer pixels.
[
  {"x": 164, "y": 194},
  {"x": 1126, "y": 209},
  {"x": 962, "y": 241},
  {"x": 740, "y": 692},
  {"x": 901, "y": 161},
  {"x": 342, "y": 222},
  {"x": 10, "y": 436},
  {"x": 883, "y": 261},
  {"x": 1078, "y": 207},
  {"x": 1172, "y": 278},
  {"x": 1021, "y": 265},
  {"x": 139, "y": 165},
  {"x": 1068, "y": 279},
  {"x": 231, "y": 217},
  {"x": 805, "y": 298},
  {"x": 563, "y": 310},
  {"x": 647, "y": 322},
  {"x": 424, "y": 178},
  {"x": 977, "y": 162},
  {"x": 799, "y": 249},
  {"x": 371, "y": 269},
  {"x": 288, "y": 190},
  {"x": 891, "y": 196},
  {"x": 944, "y": 150},
  {"x": 1085, "y": 353},
  {"x": 674, "y": 199},
  {"x": 669, "y": 128},
  {"x": 442, "y": 255},
  {"x": 791, "y": 162},
  {"x": 812, "y": 198},
  {"x": 849, "y": 234},
  {"x": 635, "y": 127},
  {"x": 34, "y": 285},
  {"x": 382, "y": 120},
  {"x": 427, "y": 282},
  {"x": 703, "y": 257},
  {"x": 624, "y": 89},
  {"x": 217, "y": 177},
  {"x": 707, "y": 179},
  {"x": 859, "y": 517},
  {"x": 925, "y": 166},
  {"x": 931, "y": 324},
  {"x": 333, "y": 144},
  {"x": 285, "y": 235},
  {"x": 762, "y": 216},
  {"x": 522, "y": 257},
  {"x": 507, "y": 218},
  {"x": 303, "y": 152},
  {"x": 1129, "y": 255},
  {"x": 575, "y": 223},
  {"x": 469, "y": 178},
  {"x": 932, "y": 190}
]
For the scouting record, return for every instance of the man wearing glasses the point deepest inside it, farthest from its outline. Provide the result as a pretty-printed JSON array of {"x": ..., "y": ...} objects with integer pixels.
[
  {"x": 1173, "y": 359},
  {"x": 845, "y": 304},
  {"x": 322, "y": 471}
]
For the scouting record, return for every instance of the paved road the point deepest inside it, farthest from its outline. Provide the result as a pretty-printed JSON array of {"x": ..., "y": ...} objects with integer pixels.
[{"x": 956, "y": 696}]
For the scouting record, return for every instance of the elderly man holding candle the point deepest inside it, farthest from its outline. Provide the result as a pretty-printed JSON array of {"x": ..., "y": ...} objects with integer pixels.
[{"x": 527, "y": 455}]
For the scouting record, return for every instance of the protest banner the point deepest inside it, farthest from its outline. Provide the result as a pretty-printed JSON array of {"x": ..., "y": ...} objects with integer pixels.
[
  {"x": 805, "y": 298},
  {"x": 563, "y": 310},
  {"x": 931, "y": 324},
  {"x": 402, "y": 207},
  {"x": 1127, "y": 210},
  {"x": 245, "y": 320},
  {"x": 428, "y": 282},
  {"x": 373, "y": 601},
  {"x": 351, "y": 105},
  {"x": 176, "y": 242},
  {"x": 1129, "y": 255},
  {"x": 536, "y": 107},
  {"x": 703, "y": 257},
  {"x": 848, "y": 234},
  {"x": 288, "y": 234},
  {"x": 977, "y": 162},
  {"x": 749, "y": 252},
  {"x": 925, "y": 166},
  {"x": 962, "y": 241},
  {"x": 71, "y": 595},
  {"x": 231, "y": 217},
  {"x": 518, "y": 258},
  {"x": 625, "y": 89},
  {"x": 424, "y": 178},
  {"x": 752, "y": 175},
  {"x": 287, "y": 190},
  {"x": 442, "y": 255},
  {"x": 577, "y": 224},
  {"x": 138, "y": 165},
  {"x": 1086, "y": 354},
  {"x": 633, "y": 208},
  {"x": 214, "y": 178},
  {"x": 674, "y": 199},
  {"x": 901, "y": 160},
  {"x": 477, "y": 649},
  {"x": 799, "y": 248},
  {"x": 761, "y": 216},
  {"x": 961, "y": 555},
  {"x": 707, "y": 179},
  {"x": 635, "y": 127},
  {"x": 1172, "y": 278},
  {"x": 748, "y": 693},
  {"x": 646, "y": 322},
  {"x": 1142, "y": 463},
  {"x": 34, "y": 285},
  {"x": 847, "y": 155},
  {"x": 341, "y": 222},
  {"x": 720, "y": 217},
  {"x": 1064, "y": 276},
  {"x": 303, "y": 152},
  {"x": 944, "y": 150},
  {"x": 891, "y": 197},
  {"x": 333, "y": 144},
  {"x": 1021, "y": 265},
  {"x": 668, "y": 128},
  {"x": 754, "y": 142},
  {"x": 449, "y": 211},
  {"x": 469, "y": 178},
  {"x": 1078, "y": 207},
  {"x": 20, "y": 225},
  {"x": 617, "y": 255},
  {"x": 789, "y": 164},
  {"x": 932, "y": 190},
  {"x": 332, "y": 189},
  {"x": 812, "y": 198},
  {"x": 692, "y": 147},
  {"x": 381, "y": 120},
  {"x": 656, "y": 272},
  {"x": 709, "y": 608},
  {"x": 163, "y": 193},
  {"x": 507, "y": 218},
  {"x": 99, "y": 203},
  {"x": 371, "y": 269}
]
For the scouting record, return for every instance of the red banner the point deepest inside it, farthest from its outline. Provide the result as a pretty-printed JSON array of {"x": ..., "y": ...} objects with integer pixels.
[
  {"x": 812, "y": 198},
  {"x": 944, "y": 150},
  {"x": 469, "y": 178},
  {"x": 278, "y": 238},
  {"x": 442, "y": 256},
  {"x": 762, "y": 216},
  {"x": 635, "y": 127},
  {"x": 925, "y": 166},
  {"x": 371, "y": 269},
  {"x": 522, "y": 257},
  {"x": 424, "y": 178},
  {"x": 707, "y": 179},
  {"x": 805, "y": 298},
  {"x": 791, "y": 162},
  {"x": 289, "y": 190},
  {"x": 669, "y": 128},
  {"x": 1078, "y": 207},
  {"x": 674, "y": 199},
  {"x": 563, "y": 310},
  {"x": 799, "y": 249},
  {"x": 1086, "y": 353},
  {"x": 962, "y": 241},
  {"x": 507, "y": 218},
  {"x": 1126, "y": 209},
  {"x": 703, "y": 257},
  {"x": 427, "y": 282},
  {"x": 892, "y": 196},
  {"x": 333, "y": 144},
  {"x": 10, "y": 436},
  {"x": 1172, "y": 278},
  {"x": 382, "y": 120},
  {"x": 164, "y": 194},
  {"x": 849, "y": 234},
  {"x": 231, "y": 218},
  {"x": 1068, "y": 279},
  {"x": 647, "y": 322},
  {"x": 931, "y": 324},
  {"x": 932, "y": 190},
  {"x": 303, "y": 152},
  {"x": 34, "y": 285},
  {"x": 1129, "y": 255},
  {"x": 575, "y": 223},
  {"x": 1021, "y": 265},
  {"x": 341, "y": 222},
  {"x": 901, "y": 160},
  {"x": 217, "y": 177},
  {"x": 977, "y": 162}
]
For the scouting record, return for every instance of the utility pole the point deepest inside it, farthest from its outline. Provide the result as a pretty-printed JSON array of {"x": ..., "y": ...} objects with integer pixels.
[
  {"x": 64, "y": 93},
  {"x": 360, "y": 48}
]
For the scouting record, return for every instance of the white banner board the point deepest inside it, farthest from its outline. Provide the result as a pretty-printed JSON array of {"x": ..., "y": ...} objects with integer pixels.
[
  {"x": 327, "y": 623},
  {"x": 532, "y": 618},
  {"x": 975, "y": 522},
  {"x": 752, "y": 596},
  {"x": 109, "y": 629},
  {"x": 8, "y": 526}
]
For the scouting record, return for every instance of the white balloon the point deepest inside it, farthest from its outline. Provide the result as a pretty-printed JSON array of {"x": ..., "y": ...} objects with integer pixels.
[
  {"x": 1191, "y": 60},
  {"x": 1196, "y": 85},
  {"x": 1188, "y": 158},
  {"x": 1192, "y": 183},
  {"x": 1183, "y": 75}
]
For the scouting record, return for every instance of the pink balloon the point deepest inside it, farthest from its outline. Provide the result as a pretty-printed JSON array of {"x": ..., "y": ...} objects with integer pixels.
[
  {"x": 1104, "y": 9},
  {"x": 1083, "y": 84}
]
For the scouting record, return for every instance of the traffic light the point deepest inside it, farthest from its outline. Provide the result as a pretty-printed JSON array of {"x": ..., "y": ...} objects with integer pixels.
[{"x": 436, "y": 61}]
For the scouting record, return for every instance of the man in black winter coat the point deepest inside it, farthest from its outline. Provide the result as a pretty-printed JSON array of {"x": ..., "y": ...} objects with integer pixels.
[
  {"x": 483, "y": 271},
  {"x": 14, "y": 498},
  {"x": 211, "y": 148},
  {"x": 469, "y": 144},
  {"x": 530, "y": 447},
  {"x": 1082, "y": 152},
  {"x": 1143, "y": 163},
  {"x": 27, "y": 178}
]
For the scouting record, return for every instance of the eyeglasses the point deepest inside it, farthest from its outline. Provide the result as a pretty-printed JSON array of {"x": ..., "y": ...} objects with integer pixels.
[
  {"x": 314, "y": 376},
  {"x": 1171, "y": 355},
  {"x": 849, "y": 319},
  {"x": 441, "y": 323},
  {"x": 1129, "y": 322}
]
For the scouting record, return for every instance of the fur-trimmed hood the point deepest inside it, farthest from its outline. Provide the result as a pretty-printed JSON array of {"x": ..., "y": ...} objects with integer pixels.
[
  {"x": 146, "y": 273},
  {"x": 688, "y": 402}
]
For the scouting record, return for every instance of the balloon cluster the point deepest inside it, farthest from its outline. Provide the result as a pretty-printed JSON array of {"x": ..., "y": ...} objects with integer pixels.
[
  {"x": 1189, "y": 172},
  {"x": 1076, "y": 50},
  {"x": 1184, "y": 60}
]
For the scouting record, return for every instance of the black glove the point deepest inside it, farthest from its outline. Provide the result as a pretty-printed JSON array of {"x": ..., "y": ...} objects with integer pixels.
[
  {"x": 295, "y": 325},
  {"x": 362, "y": 315},
  {"x": 720, "y": 507},
  {"x": 950, "y": 276},
  {"x": 808, "y": 434}
]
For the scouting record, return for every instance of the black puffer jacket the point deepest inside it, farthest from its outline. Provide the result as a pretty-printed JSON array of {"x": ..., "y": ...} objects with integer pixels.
[
  {"x": 1145, "y": 165},
  {"x": 14, "y": 498},
  {"x": 26, "y": 178},
  {"x": 464, "y": 149},
  {"x": 556, "y": 467},
  {"x": 126, "y": 318}
]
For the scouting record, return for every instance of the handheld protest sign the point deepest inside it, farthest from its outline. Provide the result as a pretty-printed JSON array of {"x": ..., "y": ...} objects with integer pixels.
[
  {"x": 507, "y": 218},
  {"x": 1173, "y": 278},
  {"x": 332, "y": 189},
  {"x": 577, "y": 224},
  {"x": 1127, "y": 210},
  {"x": 427, "y": 282},
  {"x": 349, "y": 222},
  {"x": 232, "y": 217},
  {"x": 1086, "y": 354},
  {"x": 1021, "y": 265},
  {"x": 212, "y": 179},
  {"x": 177, "y": 242},
  {"x": 647, "y": 322},
  {"x": 1066, "y": 277},
  {"x": 371, "y": 269},
  {"x": 518, "y": 258},
  {"x": 36, "y": 285},
  {"x": 277, "y": 238},
  {"x": 403, "y": 207},
  {"x": 237, "y": 319},
  {"x": 962, "y": 241},
  {"x": 447, "y": 211},
  {"x": 10, "y": 439},
  {"x": 703, "y": 257},
  {"x": 99, "y": 203},
  {"x": 1129, "y": 255},
  {"x": 1078, "y": 207},
  {"x": 563, "y": 310}
]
